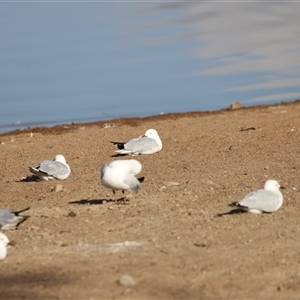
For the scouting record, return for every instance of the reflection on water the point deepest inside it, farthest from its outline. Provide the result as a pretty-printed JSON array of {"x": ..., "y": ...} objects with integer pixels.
[{"x": 71, "y": 62}]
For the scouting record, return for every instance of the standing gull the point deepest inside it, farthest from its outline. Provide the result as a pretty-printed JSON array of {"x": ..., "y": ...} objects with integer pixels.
[
  {"x": 120, "y": 175},
  {"x": 147, "y": 143},
  {"x": 9, "y": 219},
  {"x": 267, "y": 200},
  {"x": 49, "y": 169},
  {"x": 4, "y": 242}
]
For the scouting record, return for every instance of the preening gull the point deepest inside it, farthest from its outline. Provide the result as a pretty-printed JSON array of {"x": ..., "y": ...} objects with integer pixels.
[
  {"x": 267, "y": 200},
  {"x": 9, "y": 219},
  {"x": 49, "y": 169},
  {"x": 4, "y": 242},
  {"x": 120, "y": 175},
  {"x": 147, "y": 143}
]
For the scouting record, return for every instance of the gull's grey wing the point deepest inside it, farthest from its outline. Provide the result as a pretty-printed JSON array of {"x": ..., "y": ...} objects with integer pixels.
[
  {"x": 141, "y": 145},
  {"x": 54, "y": 168},
  {"x": 5, "y": 216},
  {"x": 9, "y": 219},
  {"x": 43, "y": 163},
  {"x": 262, "y": 200},
  {"x": 36, "y": 170}
]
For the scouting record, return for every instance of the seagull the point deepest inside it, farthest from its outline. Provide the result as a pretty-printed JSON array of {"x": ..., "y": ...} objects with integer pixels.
[
  {"x": 266, "y": 200},
  {"x": 120, "y": 175},
  {"x": 9, "y": 219},
  {"x": 148, "y": 143},
  {"x": 4, "y": 242},
  {"x": 49, "y": 169}
]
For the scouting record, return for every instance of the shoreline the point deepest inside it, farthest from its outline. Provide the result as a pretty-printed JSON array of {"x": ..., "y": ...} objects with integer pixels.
[{"x": 135, "y": 121}]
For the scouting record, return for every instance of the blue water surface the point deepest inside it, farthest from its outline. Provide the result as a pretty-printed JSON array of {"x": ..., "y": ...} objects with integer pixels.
[{"x": 64, "y": 62}]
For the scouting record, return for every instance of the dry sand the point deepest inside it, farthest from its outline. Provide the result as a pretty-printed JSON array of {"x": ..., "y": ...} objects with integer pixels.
[{"x": 77, "y": 244}]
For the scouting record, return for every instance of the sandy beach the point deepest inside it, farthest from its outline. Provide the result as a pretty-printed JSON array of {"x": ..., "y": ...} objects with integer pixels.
[{"x": 170, "y": 237}]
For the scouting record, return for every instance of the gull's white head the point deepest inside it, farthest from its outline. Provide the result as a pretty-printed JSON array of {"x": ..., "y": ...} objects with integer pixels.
[
  {"x": 272, "y": 185},
  {"x": 151, "y": 133},
  {"x": 4, "y": 241},
  {"x": 136, "y": 166},
  {"x": 60, "y": 158}
]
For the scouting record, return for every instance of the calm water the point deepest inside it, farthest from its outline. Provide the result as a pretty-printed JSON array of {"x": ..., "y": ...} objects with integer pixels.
[{"x": 64, "y": 62}]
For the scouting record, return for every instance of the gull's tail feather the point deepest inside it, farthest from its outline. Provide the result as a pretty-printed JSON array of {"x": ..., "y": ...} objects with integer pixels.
[{"x": 33, "y": 170}]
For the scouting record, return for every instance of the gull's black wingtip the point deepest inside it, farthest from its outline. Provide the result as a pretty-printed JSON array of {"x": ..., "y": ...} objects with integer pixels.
[
  {"x": 19, "y": 211},
  {"x": 120, "y": 145},
  {"x": 141, "y": 179}
]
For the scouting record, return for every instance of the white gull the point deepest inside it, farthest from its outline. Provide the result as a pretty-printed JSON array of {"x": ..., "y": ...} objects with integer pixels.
[
  {"x": 120, "y": 175},
  {"x": 49, "y": 169},
  {"x": 267, "y": 200},
  {"x": 147, "y": 143},
  {"x": 4, "y": 242}
]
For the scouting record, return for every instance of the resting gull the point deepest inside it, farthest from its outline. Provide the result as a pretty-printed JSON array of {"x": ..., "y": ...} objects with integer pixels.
[
  {"x": 266, "y": 200},
  {"x": 147, "y": 143},
  {"x": 49, "y": 169}
]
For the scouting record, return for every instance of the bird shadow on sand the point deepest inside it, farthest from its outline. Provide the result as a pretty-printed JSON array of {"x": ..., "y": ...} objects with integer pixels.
[
  {"x": 90, "y": 201},
  {"x": 232, "y": 212},
  {"x": 118, "y": 155},
  {"x": 30, "y": 178},
  {"x": 99, "y": 201}
]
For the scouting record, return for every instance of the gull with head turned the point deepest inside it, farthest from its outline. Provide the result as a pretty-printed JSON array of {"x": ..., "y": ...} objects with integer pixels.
[
  {"x": 49, "y": 169},
  {"x": 120, "y": 175}
]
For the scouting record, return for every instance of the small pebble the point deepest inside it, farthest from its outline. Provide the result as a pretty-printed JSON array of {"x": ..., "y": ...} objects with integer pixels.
[
  {"x": 57, "y": 188},
  {"x": 71, "y": 214},
  {"x": 127, "y": 291},
  {"x": 204, "y": 242},
  {"x": 126, "y": 280},
  {"x": 171, "y": 183}
]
